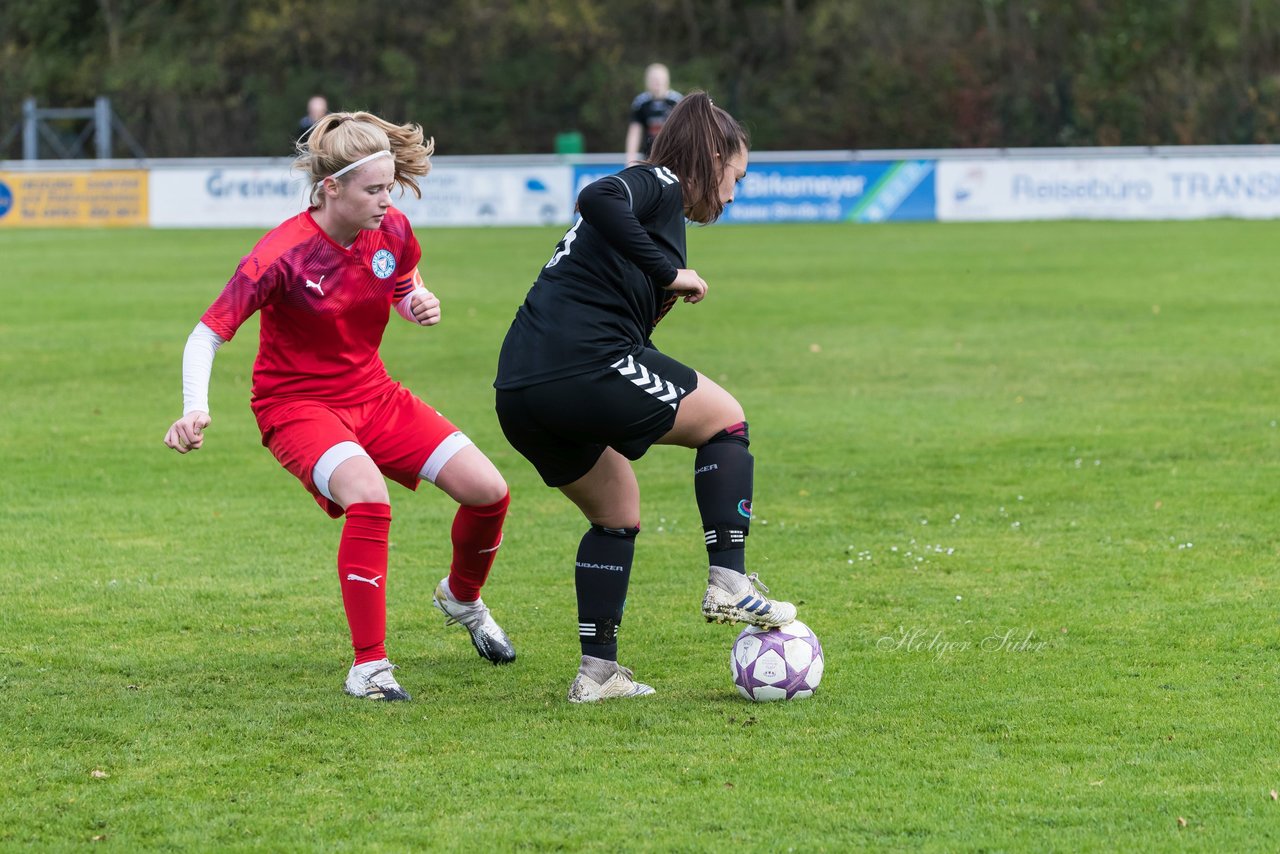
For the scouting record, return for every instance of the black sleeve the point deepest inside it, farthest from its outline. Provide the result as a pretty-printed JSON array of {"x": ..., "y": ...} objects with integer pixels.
[{"x": 612, "y": 207}]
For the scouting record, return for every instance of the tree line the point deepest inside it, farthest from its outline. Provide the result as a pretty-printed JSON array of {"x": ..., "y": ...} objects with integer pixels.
[{"x": 231, "y": 77}]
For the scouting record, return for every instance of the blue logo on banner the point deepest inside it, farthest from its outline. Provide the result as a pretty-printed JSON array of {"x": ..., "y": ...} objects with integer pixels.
[
  {"x": 584, "y": 175},
  {"x": 221, "y": 186},
  {"x": 6, "y": 198},
  {"x": 900, "y": 183},
  {"x": 853, "y": 191}
]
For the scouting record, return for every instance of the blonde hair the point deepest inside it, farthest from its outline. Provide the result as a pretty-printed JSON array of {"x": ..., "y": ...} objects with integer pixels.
[{"x": 340, "y": 139}]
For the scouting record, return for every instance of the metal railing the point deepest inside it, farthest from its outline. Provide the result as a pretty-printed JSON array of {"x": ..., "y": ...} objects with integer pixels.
[{"x": 100, "y": 123}]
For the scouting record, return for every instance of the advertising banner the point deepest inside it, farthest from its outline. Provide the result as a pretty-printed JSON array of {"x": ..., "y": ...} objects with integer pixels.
[
  {"x": 491, "y": 195},
  {"x": 1065, "y": 184},
  {"x": 217, "y": 196},
  {"x": 854, "y": 191},
  {"x": 1109, "y": 188},
  {"x": 265, "y": 196},
  {"x": 63, "y": 199}
]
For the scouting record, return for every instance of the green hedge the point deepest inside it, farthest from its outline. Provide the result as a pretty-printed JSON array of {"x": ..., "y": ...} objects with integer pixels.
[{"x": 229, "y": 77}]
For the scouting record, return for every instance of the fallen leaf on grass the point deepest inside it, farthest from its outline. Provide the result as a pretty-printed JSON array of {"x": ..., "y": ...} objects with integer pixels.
[
  {"x": 1275, "y": 796},
  {"x": 728, "y": 785},
  {"x": 1182, "y": 822},
  {"x": 101, "y": 837}
]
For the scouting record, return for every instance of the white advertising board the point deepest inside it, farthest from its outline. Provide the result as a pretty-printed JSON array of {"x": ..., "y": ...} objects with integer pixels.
[
  {"x": 215, "y": 196},
  {"x": 451, "y": 196},
  {"x": 1151, "y": 187},
  {"x": 492, "y": 195}
]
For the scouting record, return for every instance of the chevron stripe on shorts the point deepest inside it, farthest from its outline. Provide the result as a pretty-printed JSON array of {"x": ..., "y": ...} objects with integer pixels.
[{"x": 648, "y": 381}]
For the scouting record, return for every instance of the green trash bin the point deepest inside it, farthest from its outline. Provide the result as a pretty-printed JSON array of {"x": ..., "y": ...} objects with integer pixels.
[{"x": 570, "y": 142}]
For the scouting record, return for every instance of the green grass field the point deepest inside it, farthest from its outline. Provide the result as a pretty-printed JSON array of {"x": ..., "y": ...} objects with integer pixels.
[{"x": 1021, "y": 479}]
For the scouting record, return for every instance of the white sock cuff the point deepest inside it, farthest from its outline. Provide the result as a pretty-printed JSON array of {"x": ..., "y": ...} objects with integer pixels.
[{"x": 329, "y": 462}]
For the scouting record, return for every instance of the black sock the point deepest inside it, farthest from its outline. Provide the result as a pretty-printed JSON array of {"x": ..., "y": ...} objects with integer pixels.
[
  {"x": 722, "y": 480},
  {"x": 603, "y": 570}
]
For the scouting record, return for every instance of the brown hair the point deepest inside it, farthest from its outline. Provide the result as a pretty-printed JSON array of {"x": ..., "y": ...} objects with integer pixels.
[
  {"x": 688, "y": 144},
  {"x": 340, "y": 139}
]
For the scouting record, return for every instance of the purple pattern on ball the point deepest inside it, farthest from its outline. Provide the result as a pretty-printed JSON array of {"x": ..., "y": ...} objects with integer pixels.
[{"x": 776, "y": 664}]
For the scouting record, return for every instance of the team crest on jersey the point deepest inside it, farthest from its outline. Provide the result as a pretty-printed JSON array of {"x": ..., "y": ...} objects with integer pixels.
[{"x": 383, "y": 264}]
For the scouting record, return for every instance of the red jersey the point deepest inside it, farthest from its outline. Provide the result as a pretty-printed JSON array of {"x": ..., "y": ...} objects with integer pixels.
[{"x": 324, "y": 308}]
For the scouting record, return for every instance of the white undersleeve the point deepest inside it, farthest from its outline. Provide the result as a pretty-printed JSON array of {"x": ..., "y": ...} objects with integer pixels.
[
  {"x": 405, "y": 306},
  {"x": 197, "y": 364}
]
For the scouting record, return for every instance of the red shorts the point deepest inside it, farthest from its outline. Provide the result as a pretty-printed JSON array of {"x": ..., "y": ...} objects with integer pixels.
[{"x": 398, "y": 431}]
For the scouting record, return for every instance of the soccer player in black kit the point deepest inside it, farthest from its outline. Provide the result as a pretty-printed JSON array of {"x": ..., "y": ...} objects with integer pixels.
[
  {"x": 582, "y": 391},
  {"x": 649, "y": 112}
]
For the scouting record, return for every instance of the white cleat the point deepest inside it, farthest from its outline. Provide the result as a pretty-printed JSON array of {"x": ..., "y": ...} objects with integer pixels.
[
  {"x": 373, "y": 681},
  {"x": 736, "y": 598},
  {"x": 617, "y": 685},
  {"x": 488, "y": 637}
]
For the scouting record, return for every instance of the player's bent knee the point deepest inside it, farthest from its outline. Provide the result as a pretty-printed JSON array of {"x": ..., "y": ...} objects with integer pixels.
[
  {"x": 708, "y": 410},
  {"x": 723, "y": 407},
  {"x": 488, "y": 486},
  {"x": 346, "y": 475},
  {"x": 367, "y": 487},
  {"x": 736, "y": 433},
  {"x": 492, "y": 490},
  {"x": 733, "y": 412},
  {"x": 614, "y": 520},
  {"x": 612, "y": 510},
  {"x": 626, "y": 533},
  {"x": 367, "y": 496},
  {"x": 466, "y": 474},
  {"x": 482, "y": 491}
]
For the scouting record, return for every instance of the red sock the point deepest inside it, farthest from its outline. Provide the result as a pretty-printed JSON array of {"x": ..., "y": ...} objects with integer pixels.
[
  {"x": 362, "y": 572},
  {"x": 477, "y": 533}
]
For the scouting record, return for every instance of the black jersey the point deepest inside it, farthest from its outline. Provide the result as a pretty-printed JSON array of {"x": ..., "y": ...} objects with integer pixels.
[
  {"x": 651, "y": 114},
  {"x": 601, "y": 294}
]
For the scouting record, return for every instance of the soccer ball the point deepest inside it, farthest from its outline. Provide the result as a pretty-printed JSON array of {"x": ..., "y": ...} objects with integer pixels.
[{"x": 777, "y": 664}]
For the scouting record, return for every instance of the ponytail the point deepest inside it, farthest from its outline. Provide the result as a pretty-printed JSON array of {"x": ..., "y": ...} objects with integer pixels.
[
  {"x": 688, "y": 144},
  {"x": 340, "y": 139}
]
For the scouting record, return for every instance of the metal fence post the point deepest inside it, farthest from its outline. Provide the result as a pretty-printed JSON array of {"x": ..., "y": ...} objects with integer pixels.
[
  {"x": 30, "y": 130},
  {"x": 102, "y": 126}
]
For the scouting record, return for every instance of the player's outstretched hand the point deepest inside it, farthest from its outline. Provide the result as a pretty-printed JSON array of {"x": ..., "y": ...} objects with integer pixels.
[
  {"x": 426, "y": 307},
  {"x": 689, "y": 285},
  {"x": 187, "y": 433}
]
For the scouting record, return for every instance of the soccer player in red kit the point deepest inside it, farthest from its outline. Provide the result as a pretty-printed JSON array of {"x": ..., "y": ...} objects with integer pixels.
[{"x": 325, "y": 283}]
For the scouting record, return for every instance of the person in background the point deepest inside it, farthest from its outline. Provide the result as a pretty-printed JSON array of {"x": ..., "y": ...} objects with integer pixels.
[
  {"x": 317, "y": 108},
  {"x": 649, "y": 112}
]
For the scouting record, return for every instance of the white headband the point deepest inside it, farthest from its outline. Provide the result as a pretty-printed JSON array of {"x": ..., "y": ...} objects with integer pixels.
[{"x": 363, "y": 160}]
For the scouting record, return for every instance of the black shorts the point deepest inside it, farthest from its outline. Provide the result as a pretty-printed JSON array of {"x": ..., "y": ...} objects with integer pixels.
[{"x": 563, "y": 426}]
